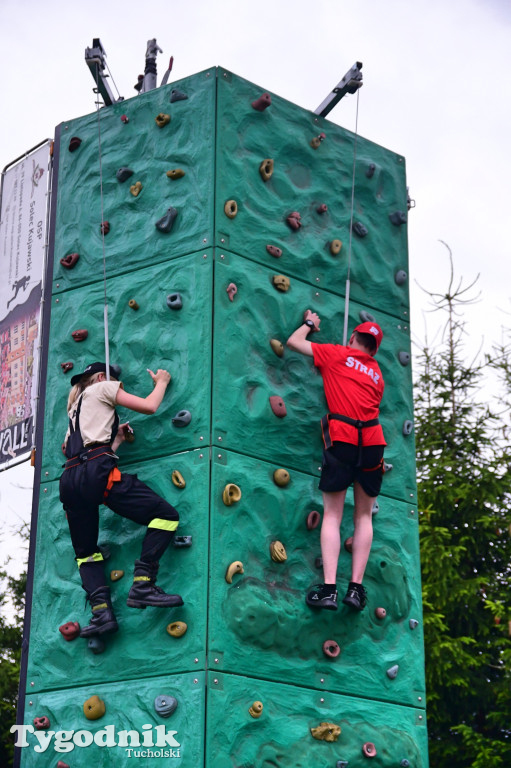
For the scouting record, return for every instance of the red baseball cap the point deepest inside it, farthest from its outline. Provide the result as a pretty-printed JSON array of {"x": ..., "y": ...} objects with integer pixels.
[{"x": 373, "y": 329}]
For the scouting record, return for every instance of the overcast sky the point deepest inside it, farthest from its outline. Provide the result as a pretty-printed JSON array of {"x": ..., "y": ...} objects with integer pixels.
[{"x": 437, "y": 89}]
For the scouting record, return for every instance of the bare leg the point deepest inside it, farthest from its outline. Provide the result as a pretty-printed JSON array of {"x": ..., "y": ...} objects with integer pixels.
[
  {"x": 363, "y": 534},
  {"x": 333, "y": 506}
]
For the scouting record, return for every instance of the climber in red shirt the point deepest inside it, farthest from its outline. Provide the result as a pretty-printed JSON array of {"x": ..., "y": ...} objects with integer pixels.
[{"x": 353, "y": 450}]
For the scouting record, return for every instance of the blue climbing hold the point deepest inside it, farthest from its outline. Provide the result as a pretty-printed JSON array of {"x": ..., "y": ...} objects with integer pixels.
[
  {"x": 359, "y": 229},
  {"x": 177, "y": 95},
  {"x": 400, "y": 277},
  {"x": 366, "y": 317},
  {"x": 96, "y": 644},
  {"x": 124, "y": 173},
  {"x": 182, "y": 541},
  {"x": 407, "y": 427},
  {"x": 174, "y": 301},
  {"x": 370, "y": 170},
  {"x": 182, "y": 418},
  {"x": 398, "y": 218},
  {"x": 404, "y": 357},
  {"x": 165, "y": 705},
  {"x": 166, "y": 222}
]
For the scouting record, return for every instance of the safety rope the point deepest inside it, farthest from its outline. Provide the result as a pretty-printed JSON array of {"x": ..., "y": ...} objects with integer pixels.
[
  {"x": 347, "y": 300},
  {"x": 105, "y": 308}
]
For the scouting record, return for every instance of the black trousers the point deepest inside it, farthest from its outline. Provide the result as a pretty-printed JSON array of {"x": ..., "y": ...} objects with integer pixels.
[{"x": 82, "y": 490}]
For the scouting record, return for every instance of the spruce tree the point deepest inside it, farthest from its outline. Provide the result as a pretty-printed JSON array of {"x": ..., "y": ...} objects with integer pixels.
[{"x": 464, "y": 497}]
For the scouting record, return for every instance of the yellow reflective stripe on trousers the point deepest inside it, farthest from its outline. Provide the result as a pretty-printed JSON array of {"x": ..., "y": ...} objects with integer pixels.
[
  {"x": 97, "y": 557},
  {"x": 163, "y": 525}
]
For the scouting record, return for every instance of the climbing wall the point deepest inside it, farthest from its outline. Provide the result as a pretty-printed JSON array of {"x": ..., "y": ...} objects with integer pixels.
[{"x": 225, "y": 223}]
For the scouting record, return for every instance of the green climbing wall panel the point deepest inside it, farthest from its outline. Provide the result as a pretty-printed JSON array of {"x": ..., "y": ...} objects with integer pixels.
[{"x": 252, "y": 639}]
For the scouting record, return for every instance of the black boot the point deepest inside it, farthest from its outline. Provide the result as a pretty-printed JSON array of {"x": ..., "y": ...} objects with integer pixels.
[
  {"x": 103, "y": 619},
  {"x": 144, "y": 591}
]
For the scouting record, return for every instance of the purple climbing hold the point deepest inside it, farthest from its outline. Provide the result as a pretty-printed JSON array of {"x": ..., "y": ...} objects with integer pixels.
[{"x": 166, "y": 222}]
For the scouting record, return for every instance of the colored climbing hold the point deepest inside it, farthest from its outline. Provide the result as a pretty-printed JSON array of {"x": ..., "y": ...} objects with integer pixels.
[
  {"x": 281, "y": 283},
  {"x": 277, "y": 347},
  {"x": 326, "y": 732},
  {"x": 174, "y": 301},
  {"x": 177, "y": 628},
  {"x": 375, "y": 508},
  {"x": 124, "y": 119},
  {"x": 116, "y": 575},
  {"x": 413, "y": 623},
  {"x": 94, "y": 708},
  {"x": 366, "y": 317},
  {"x": 231, "y": 208},
  {"x": 136, "y": 188},
  {"x": 266, "y": 169},
  {"x": 400, "y": 277},
  {"x": 335, "y": 247},
  {"x": 404, "y": 358},
  {"x": 162, "y": 119},
  {"x": 278, "y": 552},
  {"x": 232, "y": 290},
  {"x": 348, "y": 544},
  {"x": 341, "y": 764},
  {"x": 80, "y": 335},
  {"x": 262, "y": 103},
  {"x": 392, "y": 671},
  {"x": 231, "y": 494},
  {"x": 62, "y": 764},
  {"x": 281, "y": 477},
  {"x": 176, "y": 173},
  {"x": 331, "y": 649},
  {"x": 181, "y": 542},
  {"x": 235, "y": 567},
  {"x": 398, "y": 218},
  {"x": 256, "y": 710},
  {"x": 165, "y": 705},
  {"x": 273, "y": 250},
  {"x": 41, "y": 723},
  {"x": 182, "y": 418},
  {"x": 370, "y": 170},
  {"x": 96, "y": 645},
  {"x": 368, "y": 749},
  {"x": 404, "y": 763},
  {"x": 407, "y": 427},
  {"x": 387, "y": 467},
  {"x": 70, "y": 260},
  {"x": 177, "y": 95},
  {"x": 129, "y": 434},
  {"x": 294, "y": 220},
  {"x": 316, "y": 141},
  {"x": 312, "y": 520},
  {"x": 359, "y": 229},
  {"x": 178, "y": 479},
  {"x": 132, "y": 304},
  {"x": 74, "y": 143},
  {"x": 69, "y": 630},
  {"x": 124, "y": 173},
  {"x": 166, "y": 222},
  {"x": 380, "y": 613},
  {"x": 104, "y": 227},
  {"x": 323, "y": 208},
  {"x": 278, "y": 406},
  {"x": 66, "y": 367}
]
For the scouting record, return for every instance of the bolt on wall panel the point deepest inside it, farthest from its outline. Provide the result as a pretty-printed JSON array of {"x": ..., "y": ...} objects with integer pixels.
[
  {"x": 142, "y": 647},
  {"x": 247, "y": 372},
  {"x": 185, "y": 143},
  {"x": 153, "y": 336},
  {"x": 259, "y": 624},
  {"x": 304, "y": 179},
  {"x": 353, "y": 729},
  {"x": 128, "y": 707}
]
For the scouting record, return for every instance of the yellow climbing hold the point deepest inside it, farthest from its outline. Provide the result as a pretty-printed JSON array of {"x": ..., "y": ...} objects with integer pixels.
[
  {"x": 94, "y": 708},
  {"x": 256, "y": 710},
  {"x": 281, "y": 283},
  {"x": 277, "y": 347},
  {"x": 178, "y": 479},
  {"x": 326, "y": 732},
  {"x": 235, "y": 567},
  {"x": 281, "y": 477},
  {"x": 116, "y": 575},
  {"x": 175, "y": 173},
  {"x": 136, "y": 188},
  {"x": 231, "y": 208},
  {"x": 335, "y": 247},
  {"x": 162, "y": 119},
  {"x": 266, "y": 169},
  {"x": 278, "y": 552},
  {"x": 177, "y": 628},
  {"x": 231, "y": 494}
]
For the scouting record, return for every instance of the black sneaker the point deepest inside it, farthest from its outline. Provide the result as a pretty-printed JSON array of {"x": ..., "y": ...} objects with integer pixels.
[
  {"x": 355, "y": 597},
  {"x": 319, "y": 597}
]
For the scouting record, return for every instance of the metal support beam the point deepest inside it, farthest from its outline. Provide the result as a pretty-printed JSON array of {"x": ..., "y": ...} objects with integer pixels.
[
  {"x": 350, "y": 83},
  {"x": 95, "y": 60}
]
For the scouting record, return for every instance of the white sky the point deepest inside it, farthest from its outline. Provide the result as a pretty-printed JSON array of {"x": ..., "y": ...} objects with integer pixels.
[{"x": 437, "y": 89}]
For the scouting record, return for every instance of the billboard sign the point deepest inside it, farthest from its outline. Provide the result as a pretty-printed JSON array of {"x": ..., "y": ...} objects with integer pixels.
[{"x": 23, "y": 223}]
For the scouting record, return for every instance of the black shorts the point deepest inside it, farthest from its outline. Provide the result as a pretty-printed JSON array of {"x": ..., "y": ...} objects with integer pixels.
[{"x": 339, "y": 468}]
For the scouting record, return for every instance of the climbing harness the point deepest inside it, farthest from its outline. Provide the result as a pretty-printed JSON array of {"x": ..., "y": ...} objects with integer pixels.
[
  {"x": 347, "y": 299},
  {"x": 357, "y": 423}
]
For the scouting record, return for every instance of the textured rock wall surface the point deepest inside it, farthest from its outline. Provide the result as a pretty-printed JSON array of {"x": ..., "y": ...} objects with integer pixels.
[{"x": 253, "y": 639}]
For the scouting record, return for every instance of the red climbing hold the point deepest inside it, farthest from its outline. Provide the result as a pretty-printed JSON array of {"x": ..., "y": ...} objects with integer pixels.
[
  {"x": 262, "y": 102},
  {"x": 348, "y": 544},
  {"x": 41, "y": 723},
  {"x": 70, "y": 260},
  {"x": 331, "y": 649},
  {"x": 66, "y": 367},
  {"x": 105, "y": 227},
  {"x": 232, "y": 290},
  {"x": 124, "y": 119},
  {"x": 312, "y": 520},
  {"x": 80, "y": 335},
  {"x": 278, "y": 406},
  {"x": 74, "y": 143},
  {"x": 70, "y": 630},
  {"x": 322, "y": 208},
  {"x": 273, "y": 250},
  {"x": 293, "y": 220}
]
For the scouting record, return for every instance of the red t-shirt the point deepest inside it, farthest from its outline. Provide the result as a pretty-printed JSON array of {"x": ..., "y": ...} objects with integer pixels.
[{"x": 353, "y": 387}]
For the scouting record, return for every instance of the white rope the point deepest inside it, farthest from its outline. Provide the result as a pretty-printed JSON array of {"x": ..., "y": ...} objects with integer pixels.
[
  {"x": 105, "y": 311},
  {"x": 347, "y": 300}
]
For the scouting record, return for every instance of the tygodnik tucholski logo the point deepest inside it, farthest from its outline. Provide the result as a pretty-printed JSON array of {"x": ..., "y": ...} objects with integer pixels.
[{"x": 153, "y": 741}]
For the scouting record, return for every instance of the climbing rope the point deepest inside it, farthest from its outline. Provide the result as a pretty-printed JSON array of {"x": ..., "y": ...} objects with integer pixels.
[
  {"x": 347, "y": 300},
  {"x": 105, "y": 307}
]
